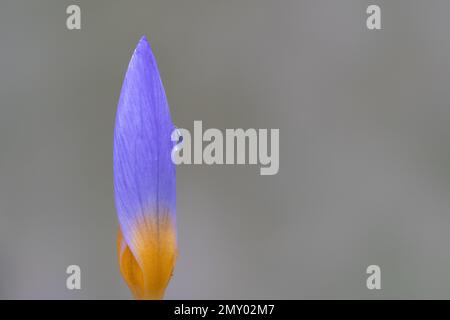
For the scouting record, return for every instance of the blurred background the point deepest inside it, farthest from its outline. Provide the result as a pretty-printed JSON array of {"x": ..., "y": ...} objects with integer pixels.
[{"x": 364, "y": 121}]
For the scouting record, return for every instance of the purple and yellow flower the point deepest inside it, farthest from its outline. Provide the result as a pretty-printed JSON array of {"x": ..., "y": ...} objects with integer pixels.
[{"x": 144, "y": 179}]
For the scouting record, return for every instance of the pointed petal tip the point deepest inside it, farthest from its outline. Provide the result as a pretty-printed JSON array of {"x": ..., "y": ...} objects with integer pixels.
[
  {"x": 143, "y": 45},
  {"x": 143, "y": 41},
  {"x": 143, "y": 51}
]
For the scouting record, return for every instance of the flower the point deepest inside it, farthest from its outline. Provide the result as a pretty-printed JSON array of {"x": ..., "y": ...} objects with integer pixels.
[{"x": 144, "y": 179}]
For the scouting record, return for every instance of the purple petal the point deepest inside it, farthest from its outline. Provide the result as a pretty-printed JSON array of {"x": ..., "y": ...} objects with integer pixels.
[{"x": 144, "y": 174}]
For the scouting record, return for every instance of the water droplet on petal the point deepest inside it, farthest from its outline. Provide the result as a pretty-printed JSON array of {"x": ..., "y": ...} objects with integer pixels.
[{"x": 177, "y": 138}]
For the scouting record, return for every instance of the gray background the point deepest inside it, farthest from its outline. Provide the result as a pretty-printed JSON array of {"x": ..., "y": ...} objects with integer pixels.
[{"x": 364, "y": 121}]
